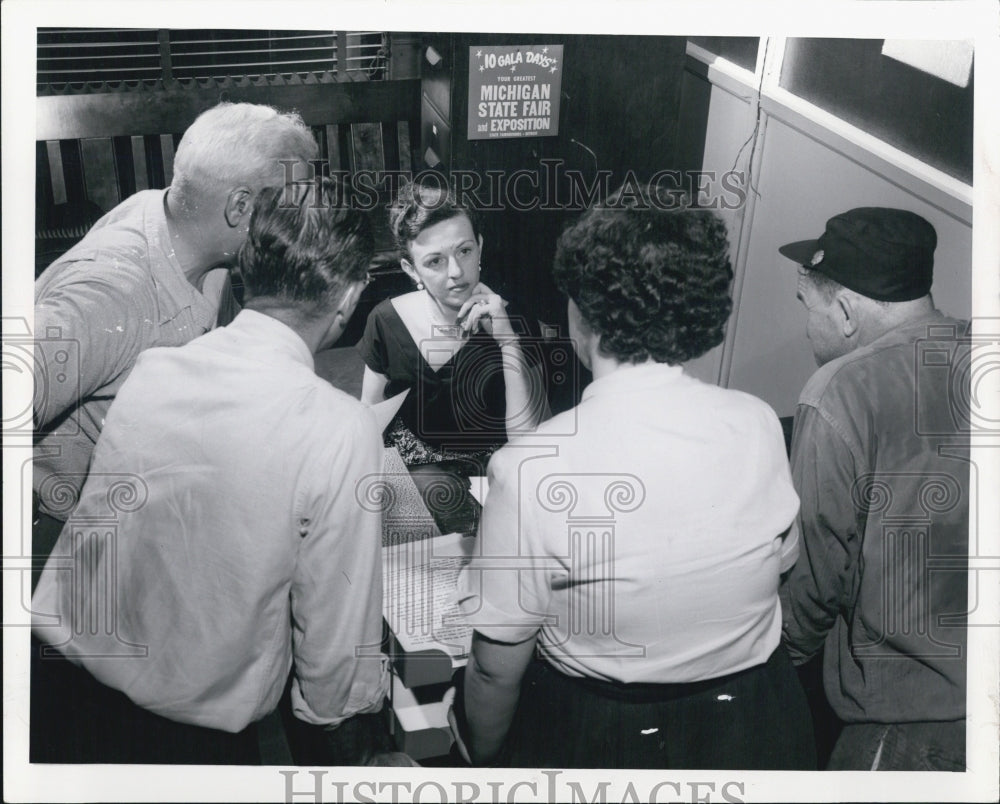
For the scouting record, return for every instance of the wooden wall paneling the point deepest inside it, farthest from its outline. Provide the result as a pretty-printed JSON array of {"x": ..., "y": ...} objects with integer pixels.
[
  {"x": 43, "y": 183},
  {"x": 367, "y": 141},
  {"x": 319, "y": 132},
  {"x": 345, "y": 147},
  {"x": 389, "y": 134},
  {"x": 435, "y": 139},
  {"x": 100, "y": 179},
  {"x": 72, "y": 171},
  {"x": 140, "y": 171},
  {"x": 413, "y": 136},
  {"x": 405, "y": 146},
  {"x": 154, "y": 162},
  {"x": 124, "y": 113},
  {"x": 124, "y": 166},
  {"x": 167, "y": 153},
  {"x": 54, "y": 167},
  {"x": 332, "y": 138}
]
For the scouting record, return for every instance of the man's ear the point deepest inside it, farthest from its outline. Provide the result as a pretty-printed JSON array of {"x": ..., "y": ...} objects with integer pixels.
[
  {"x": 239, "y": 204},
  {"x": 848, "y": 312}
]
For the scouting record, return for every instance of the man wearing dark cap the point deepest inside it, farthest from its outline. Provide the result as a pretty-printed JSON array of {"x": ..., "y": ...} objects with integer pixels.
[{"x": 880, "y": 462}]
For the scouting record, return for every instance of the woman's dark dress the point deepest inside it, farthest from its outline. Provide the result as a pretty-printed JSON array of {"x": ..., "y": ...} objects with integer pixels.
[{"x": 456, "y": 412}]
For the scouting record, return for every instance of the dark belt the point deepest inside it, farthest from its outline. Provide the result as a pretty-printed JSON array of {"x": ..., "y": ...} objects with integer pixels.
[{"x": 644, "y": 692}]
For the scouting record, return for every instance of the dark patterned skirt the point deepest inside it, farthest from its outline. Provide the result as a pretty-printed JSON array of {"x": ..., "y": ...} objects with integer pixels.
[
  {"x": 415, "y": 451},
  {"x": 757, "y": 719}
]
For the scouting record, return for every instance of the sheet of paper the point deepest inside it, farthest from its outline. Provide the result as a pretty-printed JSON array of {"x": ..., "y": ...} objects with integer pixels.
[
  {"x": 419, "y": 590},
  {"x": 416, "y": 716},
  {"x": 405, "y": 517},
  {"x": 386, "y": 410}
]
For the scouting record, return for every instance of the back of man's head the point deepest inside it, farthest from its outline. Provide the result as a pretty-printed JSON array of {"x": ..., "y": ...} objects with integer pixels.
[
  {"x": 305, "y": 248},
  {"x": 241, "y": 144}
]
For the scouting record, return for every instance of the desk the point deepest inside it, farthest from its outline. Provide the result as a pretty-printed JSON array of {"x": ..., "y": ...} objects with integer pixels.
[{"x": 420, "y": 567}]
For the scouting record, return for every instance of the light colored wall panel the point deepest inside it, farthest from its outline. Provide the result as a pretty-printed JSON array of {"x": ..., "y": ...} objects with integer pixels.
[
  {"x": 802, "y": 183},
  {"x": 729, "y": 126}
]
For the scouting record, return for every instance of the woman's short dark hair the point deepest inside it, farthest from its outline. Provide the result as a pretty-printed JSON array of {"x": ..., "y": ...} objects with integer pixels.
[
  {"x": 305, "y": 245},
  {"x": 419, "y": 206},
  {"x": 652, "y": 283}
]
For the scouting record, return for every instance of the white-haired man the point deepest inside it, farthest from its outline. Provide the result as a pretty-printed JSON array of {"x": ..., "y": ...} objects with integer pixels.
[{"x": 152, "y": 272}]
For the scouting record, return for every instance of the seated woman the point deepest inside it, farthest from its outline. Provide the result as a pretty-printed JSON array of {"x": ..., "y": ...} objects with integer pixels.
[
  {"x": 642, "y": 556},
  {"x": 452, "y": 342}
]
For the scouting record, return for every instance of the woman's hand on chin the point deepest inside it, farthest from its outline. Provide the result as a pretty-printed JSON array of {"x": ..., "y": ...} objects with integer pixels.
[{"x": 486, "y": 309}]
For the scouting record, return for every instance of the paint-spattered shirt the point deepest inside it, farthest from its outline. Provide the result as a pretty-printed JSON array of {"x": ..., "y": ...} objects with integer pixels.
[
  {"x": 119, "y": 291},
  {"x": 220, "y": 535},
  {"x": 880, "y": 458}
]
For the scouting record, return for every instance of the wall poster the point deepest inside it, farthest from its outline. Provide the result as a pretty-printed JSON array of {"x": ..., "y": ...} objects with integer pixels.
[{"x": 514, "y": 91}]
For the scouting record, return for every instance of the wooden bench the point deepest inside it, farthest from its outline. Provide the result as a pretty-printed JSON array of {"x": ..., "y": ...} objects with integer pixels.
[{"x": 94, "y": 150}]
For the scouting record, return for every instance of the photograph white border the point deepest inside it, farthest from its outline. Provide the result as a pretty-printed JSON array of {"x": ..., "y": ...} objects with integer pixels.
[{"x": 901, "y": 19}]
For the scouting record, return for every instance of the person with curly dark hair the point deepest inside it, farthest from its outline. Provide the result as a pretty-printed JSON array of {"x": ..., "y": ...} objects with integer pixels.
[
  {"x": 452, "y": 341},
  {"x": 641, "y": 557},
  {"x": 651, "y": 284}
]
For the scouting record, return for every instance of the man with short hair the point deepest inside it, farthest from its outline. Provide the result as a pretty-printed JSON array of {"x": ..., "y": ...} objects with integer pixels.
[
  {"x": 233, "y": 544},
  {"x": 880, "y": 462},
  {"x": 146, "y": 275}
]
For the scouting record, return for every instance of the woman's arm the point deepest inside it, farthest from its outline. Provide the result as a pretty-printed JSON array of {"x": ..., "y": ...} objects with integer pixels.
[
  {"x": 527, "y": 404},
  {"x": 492, "y": 689},
  {"x": 373, "y": 387}
]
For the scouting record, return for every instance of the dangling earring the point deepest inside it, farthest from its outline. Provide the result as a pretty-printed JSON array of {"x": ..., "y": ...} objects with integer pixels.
[{"x": 420, "y": 285}]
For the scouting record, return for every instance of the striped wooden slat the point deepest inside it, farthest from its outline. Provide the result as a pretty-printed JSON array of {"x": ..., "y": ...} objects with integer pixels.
[
  {"x": 414, "y": 143},
  {"x": 405, "y": 150},
  {"x": 390, "y": 146},
  {"x": 346, "y": 146},
  {"x": 367, "y": 141},
  {"x": 167, "y": 149},
  {"x": 139, "y": 163},
  {"x": 124, "y": 168},
  {"x": 99, "y": 175},
  {"x": 333, "y": 148},
  {"x": 56, "y": 171}
]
